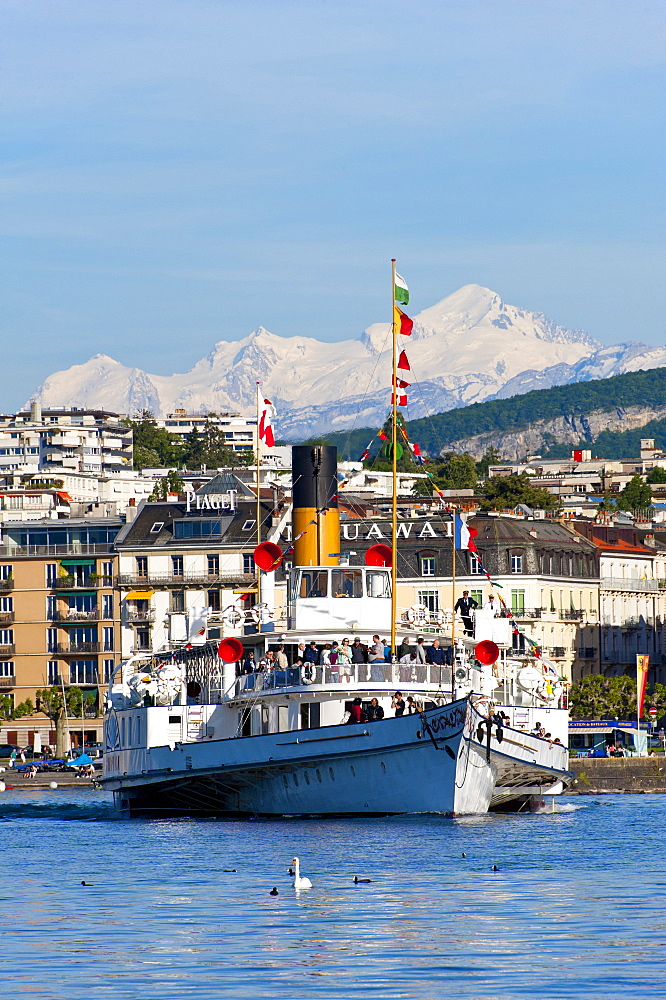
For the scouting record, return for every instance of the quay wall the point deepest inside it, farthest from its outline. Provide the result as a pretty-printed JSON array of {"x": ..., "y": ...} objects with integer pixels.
[{"x": 596, "y": 775}]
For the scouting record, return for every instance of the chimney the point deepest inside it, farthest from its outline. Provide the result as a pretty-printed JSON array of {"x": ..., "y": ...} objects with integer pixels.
[{"x": 35, "y": 411}]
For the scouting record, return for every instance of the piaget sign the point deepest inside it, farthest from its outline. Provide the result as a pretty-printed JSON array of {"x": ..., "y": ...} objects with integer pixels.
[{"x": 211, "y": 501}]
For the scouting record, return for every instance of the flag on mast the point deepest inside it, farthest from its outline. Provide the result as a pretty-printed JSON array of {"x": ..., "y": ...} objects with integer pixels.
[
  {"x": 402, "y": 321},
  {"x": 266, "y": 424},
  {"x": 642, "y": 667},
  {"x": 464, "y": 535},
  {"x": 401, "y": 290}
]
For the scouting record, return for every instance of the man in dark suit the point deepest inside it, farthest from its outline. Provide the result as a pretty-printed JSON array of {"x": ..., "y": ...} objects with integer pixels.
[{"x": 465, "y": 605}]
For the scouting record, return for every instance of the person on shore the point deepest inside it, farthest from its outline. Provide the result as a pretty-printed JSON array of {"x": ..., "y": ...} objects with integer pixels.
[
  {"x": 375, "y": 711},
  {"x": 466, "y": 605},
  {"x": 398, "y": 704}
]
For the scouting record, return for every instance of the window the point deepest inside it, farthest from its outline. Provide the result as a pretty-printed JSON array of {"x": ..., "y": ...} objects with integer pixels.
[
  {"x": 177, "y": 565},
  {"x": 516, "y": 562},
  {"x": 142, "y": 566},
  {"x": 83, "y": 672},
  {"x": 51, "y": 574},
  {"x": 52, "y": 640},
  {"x": 6, "y": 605},
  {"x": 51, "y": 608},
  {"x": 178, "y": 601},
  {"x": 427, "y": 566},
  {"x": 248, "y": 563},
  {"x": 143, "y": 638},
  {"x": 107, "y": 638},
  {"x": 213, "y": 598},
  {"x": 378, "y": 584},
  {"x": 477, "y": 595},
  {"x": 429, "y": 599},
  {"x": 109, "y": 666},
  {"x": 52, "y": 672},
  {"x": 197, "y": 528},
  {"x": 7, "y": 669},
  {"x": 248, "y": 526},
  {"x": 475, "y": 567},
  {"x": 6, "y": 572},
  {"x": 518, "y": 602},
  {"x": 107, "y": 573},
  {"x": 107, "y": 606},
  {"x": 6, "y": 636},
  {"x": 314, "y": 584},
  {"x": 344, "y": 583},
  {"x": 213, "y": 564},
  {"x": 157, "y": 527}
]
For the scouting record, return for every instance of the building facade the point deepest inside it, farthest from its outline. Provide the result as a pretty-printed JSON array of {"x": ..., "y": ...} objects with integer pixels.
[{"x": 59, "y": 621}]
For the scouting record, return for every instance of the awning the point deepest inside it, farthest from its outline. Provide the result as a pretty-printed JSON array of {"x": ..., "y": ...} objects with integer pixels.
[
  {"x": 78, "y": 593},
  {"x": 139, "y": 595},
  {"x": 77, "y": 562},
  {"x": 63, "y": 495}
]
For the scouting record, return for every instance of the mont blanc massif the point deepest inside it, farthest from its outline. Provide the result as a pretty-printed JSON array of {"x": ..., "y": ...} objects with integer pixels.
[{"x": 469, "y": 347}]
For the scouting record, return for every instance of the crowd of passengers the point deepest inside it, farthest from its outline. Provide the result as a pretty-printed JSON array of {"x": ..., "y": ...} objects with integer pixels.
[{"x": 332, "y": 662}]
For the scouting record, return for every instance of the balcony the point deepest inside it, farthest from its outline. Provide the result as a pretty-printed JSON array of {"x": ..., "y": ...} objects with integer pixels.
[
  {"x": 6, "y": 651},
  {"x": 185, "y": 579},
  {"x": 587, "y": 652},
  {"x": 628, "y": 584},
  {"x": 77, "y": 582},
  {"x": 6, "y": 585},
  {"x": 558, "y": 652},
  {"x": 72, "y": 617},
  {"x": 7, "y": 682},
  {"x": 136, "y": 617},
  {"x": 76, "y": 549},
  {"x": 572, "y": 615},
  {"x": 7, "y": 617},
  {"x": 528, "y": 613},
  {"x": 77, "y": 648}
]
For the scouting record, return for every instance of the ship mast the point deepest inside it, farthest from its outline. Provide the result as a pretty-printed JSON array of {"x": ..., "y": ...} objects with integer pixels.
[{"x": 394, "y": 469}]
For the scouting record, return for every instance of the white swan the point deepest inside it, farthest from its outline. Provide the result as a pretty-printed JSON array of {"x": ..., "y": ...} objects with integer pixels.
[{"x": 300, "y": 883}]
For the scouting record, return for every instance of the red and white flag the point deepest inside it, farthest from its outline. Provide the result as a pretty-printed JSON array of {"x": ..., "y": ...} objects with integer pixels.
[{"x": 266, "y": 424}]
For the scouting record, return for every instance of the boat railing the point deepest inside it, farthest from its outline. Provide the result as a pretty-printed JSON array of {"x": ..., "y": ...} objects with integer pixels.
[{"x": 354, "y": 675}]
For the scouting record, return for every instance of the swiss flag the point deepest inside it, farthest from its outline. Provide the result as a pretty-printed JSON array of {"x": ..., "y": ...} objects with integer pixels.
[{"x": 266, "y": 424}]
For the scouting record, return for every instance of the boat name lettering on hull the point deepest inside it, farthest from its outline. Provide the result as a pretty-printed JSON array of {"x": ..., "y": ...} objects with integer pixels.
[{"x": 449, "y": 721}]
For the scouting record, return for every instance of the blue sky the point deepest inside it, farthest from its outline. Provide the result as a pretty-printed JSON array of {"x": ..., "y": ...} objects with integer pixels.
[{"x": 178, "y": 172}]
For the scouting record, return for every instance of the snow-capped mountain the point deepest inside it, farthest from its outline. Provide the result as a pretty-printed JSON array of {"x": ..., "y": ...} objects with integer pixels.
[{"x": 467, "y": 348}]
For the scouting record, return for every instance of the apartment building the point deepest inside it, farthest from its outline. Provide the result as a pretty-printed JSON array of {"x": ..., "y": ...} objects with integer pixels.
[
  {"x": 59, "y": 620},
  {"x": 61, "y": 440},
  {"x": 240, "y": 433},
  {"x": 183, "y": 565}
]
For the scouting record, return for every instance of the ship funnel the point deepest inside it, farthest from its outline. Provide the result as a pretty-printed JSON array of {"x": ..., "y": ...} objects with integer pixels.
[{"x": 315, "y": 515}]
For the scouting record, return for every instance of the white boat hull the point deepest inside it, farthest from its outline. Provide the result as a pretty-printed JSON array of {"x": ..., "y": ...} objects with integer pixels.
[{"x": 430, "y": 763}]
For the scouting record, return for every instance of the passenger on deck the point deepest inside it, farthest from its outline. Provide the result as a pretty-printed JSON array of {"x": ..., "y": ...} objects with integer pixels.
[
  {"x": 376, "y": 655},
  {"x": 398, "y": 704},
  {"x": 420, "y": 650},
  {"x": 356, "y": 712},
  {"x": 313, "y": 656},
  {"x": 249, "y": 665},
  {"x": 375, "y": 712},
  {"x": 358, "y": 652},
  {"x": 344, "y": 661},
  {"x": 403, "y": 649},
  {"x": 435, "y": 654},
  {"x": 281, "y": 661},
  {"x": 413, "y": 706}
]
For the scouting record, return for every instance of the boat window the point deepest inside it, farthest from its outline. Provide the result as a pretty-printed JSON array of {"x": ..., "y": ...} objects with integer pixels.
[
  {"x": 346, "y": 583},
  {"x": 314, "y": 583},
  {"x": 378, "y": 584}
]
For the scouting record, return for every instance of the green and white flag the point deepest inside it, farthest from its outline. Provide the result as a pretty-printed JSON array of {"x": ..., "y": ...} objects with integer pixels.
[{"x": 401, "y": 290}]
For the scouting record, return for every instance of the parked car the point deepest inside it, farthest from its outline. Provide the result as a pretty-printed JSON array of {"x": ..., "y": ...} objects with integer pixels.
[{"x": 6, "y": 750}]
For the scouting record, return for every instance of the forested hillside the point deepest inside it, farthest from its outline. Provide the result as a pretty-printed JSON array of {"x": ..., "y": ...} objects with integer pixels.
[{"x": 442, "y": 430}]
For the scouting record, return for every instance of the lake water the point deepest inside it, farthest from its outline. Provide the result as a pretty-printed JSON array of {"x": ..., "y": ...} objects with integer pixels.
[{"x": 575, "y": 910}]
